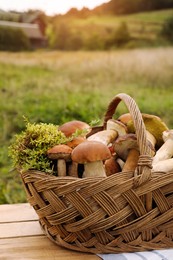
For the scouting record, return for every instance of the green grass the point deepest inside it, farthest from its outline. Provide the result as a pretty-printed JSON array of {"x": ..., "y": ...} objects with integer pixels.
[{"x": 55, "y": 87}]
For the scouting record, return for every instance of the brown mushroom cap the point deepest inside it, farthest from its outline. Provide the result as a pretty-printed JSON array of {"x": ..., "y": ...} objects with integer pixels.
[
  {"x": 125, "y": 118},
  {"x": 70, "y": 127},
  {"x": 90, "y": 151},
  {"x": 76, "y": 141},
  {"x": 60, "y": 151}
]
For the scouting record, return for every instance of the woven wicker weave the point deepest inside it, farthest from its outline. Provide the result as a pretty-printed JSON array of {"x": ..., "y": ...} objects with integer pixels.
[{"x": 125, "y": 212}]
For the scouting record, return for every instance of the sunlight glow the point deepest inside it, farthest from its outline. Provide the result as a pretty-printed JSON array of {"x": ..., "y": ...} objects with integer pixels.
[{"x": 50, "y": 7}]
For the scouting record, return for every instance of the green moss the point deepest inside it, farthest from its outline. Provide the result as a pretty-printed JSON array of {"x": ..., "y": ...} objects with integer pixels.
[{"x": 29, "y": 148}]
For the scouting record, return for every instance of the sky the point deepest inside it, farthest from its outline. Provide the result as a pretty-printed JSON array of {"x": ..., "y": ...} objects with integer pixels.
[{"x": 50, "y": 7}]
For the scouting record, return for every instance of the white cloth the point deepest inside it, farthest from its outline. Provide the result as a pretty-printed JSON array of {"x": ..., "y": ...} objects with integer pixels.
[{"x": 148, "y": 255}]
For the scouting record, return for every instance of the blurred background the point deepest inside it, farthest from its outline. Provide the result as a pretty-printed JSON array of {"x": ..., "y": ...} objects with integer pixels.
[{"x": 68, "y": 62}]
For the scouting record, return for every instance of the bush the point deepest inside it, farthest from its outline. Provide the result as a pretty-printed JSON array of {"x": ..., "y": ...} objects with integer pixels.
[{"x": 13, "y": 39}]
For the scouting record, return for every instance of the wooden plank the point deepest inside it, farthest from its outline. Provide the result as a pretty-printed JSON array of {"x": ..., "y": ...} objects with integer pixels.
[
  {"x": 17, "y": 212},
  {"x": 37, "y": 248},
  {"x": 20, "y": 229},
  {"x": 21, "y": 237}
]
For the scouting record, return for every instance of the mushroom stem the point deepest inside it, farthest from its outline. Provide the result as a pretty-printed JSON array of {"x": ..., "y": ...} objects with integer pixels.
[
  {"x": 163, "y": 166},
  {"x": 73, "y": 169},
  {"x": 131, "y": 161},
  {"x": 151, "y": 138},
  {"x": 165, "y": 152},
  {"x": 117, "y": 126},
  {"x": 61, "y": 167},
  {"x": 104, "y": 136},
  {"x": 93, "y": 169},
  {"x": 120, "y": 162},
  {"x": 112, "y": 166}
]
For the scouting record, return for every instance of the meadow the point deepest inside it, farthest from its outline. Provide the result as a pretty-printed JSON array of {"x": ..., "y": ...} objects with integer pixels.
[{"x": 55, "y": 87}]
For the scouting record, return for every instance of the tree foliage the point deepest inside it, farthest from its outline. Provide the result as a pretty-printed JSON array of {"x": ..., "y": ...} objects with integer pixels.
[{"x": 13, "y": 39}]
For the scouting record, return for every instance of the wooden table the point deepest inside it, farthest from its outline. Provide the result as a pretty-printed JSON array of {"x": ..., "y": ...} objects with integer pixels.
[{"x": 22, "y": 238}]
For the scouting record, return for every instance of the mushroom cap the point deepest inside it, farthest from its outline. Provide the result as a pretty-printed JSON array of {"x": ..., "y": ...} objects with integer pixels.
[
  {"x": 70, "y": 127},
  {"x": 60, "y": 151},
  {"x": 125, "y": 118},
  {"x": 124, "y": 143},
  {"x": 76, "y": 141},
  {"x": 168, "y": 134},
  {"x": 90, "y": 151},
  {"x": 153, "y": 124}
]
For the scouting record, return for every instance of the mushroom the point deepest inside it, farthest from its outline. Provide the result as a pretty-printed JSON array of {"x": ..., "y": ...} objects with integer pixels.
[
  {"x": 127, "y": 149},
  {"x": 61, "y": 153},
  {"x": 105, "y": 136},
  {"x": 125, "y": 118},
  {"x": 113, "y": 129},
  {"x": 166, "y": 150},
  {"x": 69, "y": 128},
  {"x": 75, "y": 141},
  {"x": 163, "y": 166},
  {"x": 73, "y": 166},
  {"x": 154, "y": 125},
  {"x": 120, "y": 162},
  {"x": 73, "y": 169},
  {"x": 91, "y": 154},
  {"x": 112, "y": 166},
  {"x": 116, "y": 126}
]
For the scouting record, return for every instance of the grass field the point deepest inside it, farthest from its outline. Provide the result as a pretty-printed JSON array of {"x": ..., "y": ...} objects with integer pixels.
[
  {"x": 55, "y": 87},
  {"x": 140, "y": 25}
]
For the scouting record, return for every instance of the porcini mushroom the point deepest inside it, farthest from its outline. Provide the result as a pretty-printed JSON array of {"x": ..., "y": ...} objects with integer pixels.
[
  {"x": 125, "y": 118},
  {"x": 69, "y": 128},
  {"x": 61, "y": 153},
  {"x": 163, "y": 166},
  {"x": 127, "y": 149},
  {"x": 91, "y": 154},
  {"x": 75, "y": 141},
  {"x": 154, "y": 125},
  {"x": 116, "y": 126},
  {"x": 105, "y": 136},
  {"x": 166, "y": 150},
  {"x": 112, "y": 166},
  {"x": 73, "y": 166}
]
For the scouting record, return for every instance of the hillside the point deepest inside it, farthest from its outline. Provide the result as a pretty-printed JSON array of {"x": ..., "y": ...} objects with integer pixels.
[
  {"x": 141, "y": 26},
  {"x": 121, "y": 7}
]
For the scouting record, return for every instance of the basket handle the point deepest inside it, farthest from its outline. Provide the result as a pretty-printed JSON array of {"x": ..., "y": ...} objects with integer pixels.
[{"x": 144, "y": 148}]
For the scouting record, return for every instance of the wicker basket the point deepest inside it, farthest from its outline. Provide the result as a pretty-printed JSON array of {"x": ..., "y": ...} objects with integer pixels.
[{"x": 125, "y": 212}]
